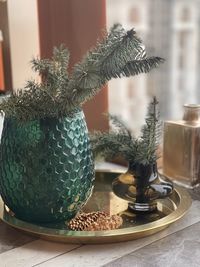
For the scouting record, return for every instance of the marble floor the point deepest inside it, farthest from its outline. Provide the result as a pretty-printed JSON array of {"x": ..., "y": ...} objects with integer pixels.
[{"x": 176, "y": 246}]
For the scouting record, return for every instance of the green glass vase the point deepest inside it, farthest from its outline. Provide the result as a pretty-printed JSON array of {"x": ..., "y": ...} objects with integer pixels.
[{"x": 46, "y": 168}]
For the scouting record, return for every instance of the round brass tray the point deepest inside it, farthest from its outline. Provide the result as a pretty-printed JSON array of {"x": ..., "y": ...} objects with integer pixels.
[{"x": 134, "y": 226}]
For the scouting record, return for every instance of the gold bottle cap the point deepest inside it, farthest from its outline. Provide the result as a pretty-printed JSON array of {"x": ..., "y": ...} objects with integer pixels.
[{"x": 191, "y": 113}]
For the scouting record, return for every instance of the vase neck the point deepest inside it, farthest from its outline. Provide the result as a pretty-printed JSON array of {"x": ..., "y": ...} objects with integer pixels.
[
  {"x": 132, "y": 166},
  {"x": 140, "y": 170}
]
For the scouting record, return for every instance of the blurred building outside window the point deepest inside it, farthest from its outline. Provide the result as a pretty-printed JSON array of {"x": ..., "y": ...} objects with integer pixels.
[{"x": 169, "y": 29}]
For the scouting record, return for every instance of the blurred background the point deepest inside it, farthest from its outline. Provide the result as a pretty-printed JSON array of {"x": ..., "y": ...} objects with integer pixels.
[{"x": 169, "y": 28}]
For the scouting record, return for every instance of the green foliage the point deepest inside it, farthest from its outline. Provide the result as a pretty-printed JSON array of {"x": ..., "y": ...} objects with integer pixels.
[
  {"x": 119, "y": 142},
  {"x": 58, "y": 94}
]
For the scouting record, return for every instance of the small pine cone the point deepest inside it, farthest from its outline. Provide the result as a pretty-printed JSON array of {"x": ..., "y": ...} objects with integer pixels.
[
  {"x": 106, "y": 223},
  {"x": 95, "y": 221}
]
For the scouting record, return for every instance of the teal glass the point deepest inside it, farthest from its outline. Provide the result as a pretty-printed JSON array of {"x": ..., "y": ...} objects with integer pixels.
[{"x": 46, "y": 168}]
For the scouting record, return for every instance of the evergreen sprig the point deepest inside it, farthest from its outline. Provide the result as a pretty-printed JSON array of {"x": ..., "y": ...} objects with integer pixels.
[
  {"x": 121, "y": 53},
  {"x": 119, "y": 142}
]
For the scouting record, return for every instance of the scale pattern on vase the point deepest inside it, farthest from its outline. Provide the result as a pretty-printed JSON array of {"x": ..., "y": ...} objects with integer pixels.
[{"x": 46, "y": 170}]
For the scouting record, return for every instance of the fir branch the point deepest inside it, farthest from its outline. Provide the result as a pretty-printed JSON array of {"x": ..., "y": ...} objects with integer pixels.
[
  {"x": 120, "y": 54},
  {"x": 58, "y": 94},
  {"x": 109, "y": 145},
  {"x": 120, "y": 142},
  {"x": 151, "y": 133},
  {"x": 117, "y": 142},
  {"x": 128, "y": 48},
  {"x": 136, "y": 67},
  {"x": 53, "y": 72},
  {"x": 119, "y": 125}
]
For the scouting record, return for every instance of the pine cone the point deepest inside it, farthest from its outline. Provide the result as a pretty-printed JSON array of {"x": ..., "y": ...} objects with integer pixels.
[{"x": 95, "y": 221}]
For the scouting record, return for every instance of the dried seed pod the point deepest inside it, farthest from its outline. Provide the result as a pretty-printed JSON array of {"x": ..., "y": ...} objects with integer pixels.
[{"x": 95, "y": 221}]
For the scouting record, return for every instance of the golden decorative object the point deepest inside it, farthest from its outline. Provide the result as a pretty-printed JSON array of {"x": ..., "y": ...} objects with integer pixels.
[
  {"x": 134, "y": 225},
  {"x": 95, "y": 221},
  {"x": 181, "y": 148}
]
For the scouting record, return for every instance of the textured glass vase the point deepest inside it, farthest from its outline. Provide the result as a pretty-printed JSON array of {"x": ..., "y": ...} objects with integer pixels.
[{"x": 46, "y": 168}]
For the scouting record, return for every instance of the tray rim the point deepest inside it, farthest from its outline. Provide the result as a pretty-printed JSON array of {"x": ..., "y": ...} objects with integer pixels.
[{"x": 118, "y": 235}]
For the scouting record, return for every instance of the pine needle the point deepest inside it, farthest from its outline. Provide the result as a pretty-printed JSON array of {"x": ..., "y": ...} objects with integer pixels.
[
  {"x": 121, "y": 53},
  {"x": 119, "y": 142}
]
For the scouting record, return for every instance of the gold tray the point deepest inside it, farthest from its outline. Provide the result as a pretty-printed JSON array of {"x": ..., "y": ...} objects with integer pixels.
[{"x": 134, "y": 226}]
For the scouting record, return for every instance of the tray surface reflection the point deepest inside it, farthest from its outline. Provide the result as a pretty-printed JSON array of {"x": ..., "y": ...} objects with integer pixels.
[{"x": 103, "y": 199}]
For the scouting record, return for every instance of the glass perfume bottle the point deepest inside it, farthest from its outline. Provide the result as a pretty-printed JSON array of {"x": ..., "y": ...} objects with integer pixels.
[{"x": 181, "y": 148}]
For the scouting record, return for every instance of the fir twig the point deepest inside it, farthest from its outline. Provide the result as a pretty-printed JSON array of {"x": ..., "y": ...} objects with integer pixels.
[
  {"x": 121, "y": 53},
  {"x": 120, "y": 142}
]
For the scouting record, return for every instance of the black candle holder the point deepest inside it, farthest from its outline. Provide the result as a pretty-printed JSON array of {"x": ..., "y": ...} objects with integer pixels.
[{"x": 141, "y": 186}]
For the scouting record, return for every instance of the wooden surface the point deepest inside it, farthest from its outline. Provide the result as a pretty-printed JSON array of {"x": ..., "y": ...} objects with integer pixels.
[{"x": 178, "y": 245}]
